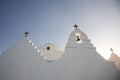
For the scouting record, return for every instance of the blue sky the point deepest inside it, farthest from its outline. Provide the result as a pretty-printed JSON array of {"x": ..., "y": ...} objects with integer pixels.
[{"x": 53, "y": 20}]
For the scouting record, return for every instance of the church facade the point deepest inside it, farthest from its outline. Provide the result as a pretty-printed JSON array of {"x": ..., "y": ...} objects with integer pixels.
[{"x": 79, "y": 61}]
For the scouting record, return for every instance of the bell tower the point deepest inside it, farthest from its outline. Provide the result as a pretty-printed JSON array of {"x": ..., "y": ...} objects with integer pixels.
[
  {"x": 77, "y": 35},
  {"x": 78, "y": 38},
  {"x": 78, "y": 41}
]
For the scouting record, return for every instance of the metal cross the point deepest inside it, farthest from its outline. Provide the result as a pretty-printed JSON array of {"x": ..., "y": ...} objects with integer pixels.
[
  {"x": 26, "y": 34},
  {"x": 111, "y": 50},
  {"x": 75, "y": 26}
]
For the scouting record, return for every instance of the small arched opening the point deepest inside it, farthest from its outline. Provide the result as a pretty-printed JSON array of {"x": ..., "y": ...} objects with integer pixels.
[
  {"x": 78, "y": 38},
  {"x": 48, "y": 48}
]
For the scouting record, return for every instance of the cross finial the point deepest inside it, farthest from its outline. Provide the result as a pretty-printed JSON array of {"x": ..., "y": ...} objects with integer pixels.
[
  {"x": 111, "y": 50},
  {"x": 75, "y": 26},
  {"x": 26, "y": 34}
]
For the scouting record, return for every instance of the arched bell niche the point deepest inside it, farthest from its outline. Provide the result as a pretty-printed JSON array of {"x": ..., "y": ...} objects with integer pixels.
[{"x": 78, "y": 38}]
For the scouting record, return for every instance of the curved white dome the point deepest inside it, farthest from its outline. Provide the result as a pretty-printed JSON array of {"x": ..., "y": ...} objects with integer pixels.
[
  {"x": 52, "y": 46},
  {"x": 50, "y": 52}
]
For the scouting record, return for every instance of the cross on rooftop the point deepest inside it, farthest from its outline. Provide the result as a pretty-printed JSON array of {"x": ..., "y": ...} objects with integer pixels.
[
  {"x": 26, "y": 34},
  {"x": 75, "y": 26},
  {"x": 111, "y": 50}
]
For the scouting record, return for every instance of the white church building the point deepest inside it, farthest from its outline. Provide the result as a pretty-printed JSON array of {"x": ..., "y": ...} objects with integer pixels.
[{"x": 79, "y": 61}]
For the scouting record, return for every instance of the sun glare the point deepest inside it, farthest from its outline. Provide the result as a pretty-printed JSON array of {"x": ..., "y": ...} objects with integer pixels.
[{"x": 105, "y": 53}]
